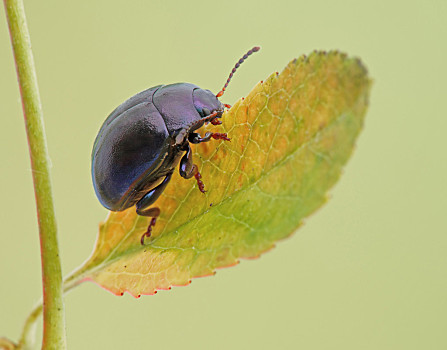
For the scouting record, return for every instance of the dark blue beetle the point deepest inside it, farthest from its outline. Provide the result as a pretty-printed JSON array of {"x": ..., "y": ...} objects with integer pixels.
[{"x": 143, "y": 140}]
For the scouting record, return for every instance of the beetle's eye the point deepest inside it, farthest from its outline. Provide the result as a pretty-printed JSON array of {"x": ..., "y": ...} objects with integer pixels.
[{"x": 205, "y": 112}]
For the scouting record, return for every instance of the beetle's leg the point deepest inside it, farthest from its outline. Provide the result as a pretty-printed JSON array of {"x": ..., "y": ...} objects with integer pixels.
[
  {"x": 154, "y": 212},
  {"x": 149, "y": 199},
  {"x": 195, "y": 138},
  {"x": 198, "y": 177},
  {"x": 188, "y": 169},
  {"x": 220, "y": 136}
]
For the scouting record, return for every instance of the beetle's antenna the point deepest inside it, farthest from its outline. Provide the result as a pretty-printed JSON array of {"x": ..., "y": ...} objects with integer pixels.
[{"x": 243, "y": 58}]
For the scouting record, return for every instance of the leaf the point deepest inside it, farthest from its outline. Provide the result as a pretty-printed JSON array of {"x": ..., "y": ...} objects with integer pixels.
[{"x": 290, "y": 138}]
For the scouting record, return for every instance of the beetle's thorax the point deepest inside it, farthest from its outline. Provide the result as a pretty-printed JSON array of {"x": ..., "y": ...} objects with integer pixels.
[
  {"x": 175, "y": 104},
  {"x": 185, "y": 108}
]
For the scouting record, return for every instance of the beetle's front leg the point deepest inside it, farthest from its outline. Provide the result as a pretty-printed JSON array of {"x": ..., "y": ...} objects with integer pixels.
[
  {"x": 149, "y": 199},
  {"x": 196, "y": 138},
  {"x": 188, "y": 169}
]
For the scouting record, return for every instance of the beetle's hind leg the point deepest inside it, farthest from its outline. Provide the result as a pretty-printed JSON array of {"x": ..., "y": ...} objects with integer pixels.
[
  {"x": 188, "y": 169},
  {"x": 149, "y": 199}
]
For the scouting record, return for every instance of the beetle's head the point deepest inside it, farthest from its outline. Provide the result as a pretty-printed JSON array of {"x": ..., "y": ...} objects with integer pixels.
[{"x": 206, "y": 103}]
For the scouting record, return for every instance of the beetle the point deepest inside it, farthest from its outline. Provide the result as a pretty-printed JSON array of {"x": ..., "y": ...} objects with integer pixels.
[{"x": 143, "y": 140}]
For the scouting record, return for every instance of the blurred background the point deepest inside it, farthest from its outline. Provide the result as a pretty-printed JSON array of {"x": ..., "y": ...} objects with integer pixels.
[{"x": 367, "y": 271}]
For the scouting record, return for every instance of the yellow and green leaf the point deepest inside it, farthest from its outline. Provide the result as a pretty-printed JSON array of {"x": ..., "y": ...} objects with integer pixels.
[{"x": 290, "y": 138}]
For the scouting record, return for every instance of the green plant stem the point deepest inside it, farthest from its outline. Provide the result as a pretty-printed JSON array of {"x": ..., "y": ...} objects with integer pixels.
[
  {"x": 27, "y": 337},
  {"x": 53, "y": 307}
]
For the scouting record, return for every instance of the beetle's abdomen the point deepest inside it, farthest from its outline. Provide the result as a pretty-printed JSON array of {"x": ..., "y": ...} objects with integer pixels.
[{"x": 127, "y": 151}]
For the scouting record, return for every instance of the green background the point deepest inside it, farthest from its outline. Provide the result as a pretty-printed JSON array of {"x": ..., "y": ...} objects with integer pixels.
[{"x": 368, "y": 271}]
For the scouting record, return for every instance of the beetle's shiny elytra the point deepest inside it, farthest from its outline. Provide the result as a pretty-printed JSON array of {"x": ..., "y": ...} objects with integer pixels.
[{"x": 144, "y": 139}]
